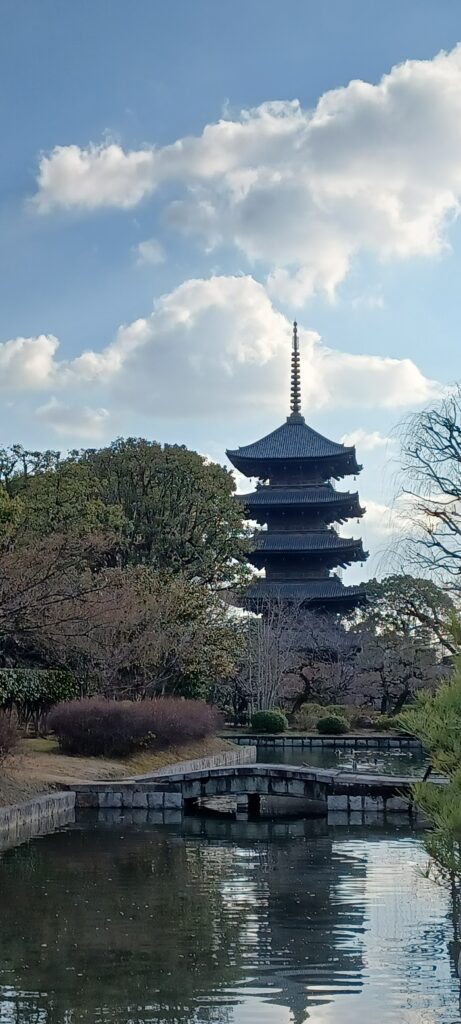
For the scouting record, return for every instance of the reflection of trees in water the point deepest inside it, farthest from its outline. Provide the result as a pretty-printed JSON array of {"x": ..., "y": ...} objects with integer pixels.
[{"x": 133, "y": 925}]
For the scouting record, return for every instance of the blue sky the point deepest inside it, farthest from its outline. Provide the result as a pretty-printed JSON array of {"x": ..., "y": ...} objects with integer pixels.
[{"x": 154, "y": 284}]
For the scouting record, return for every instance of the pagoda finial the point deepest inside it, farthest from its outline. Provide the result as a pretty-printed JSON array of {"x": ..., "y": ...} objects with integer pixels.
[{"x": 295, "y": 403}]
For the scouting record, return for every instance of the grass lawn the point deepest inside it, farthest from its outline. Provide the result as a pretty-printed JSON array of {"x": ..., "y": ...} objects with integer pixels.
[{"x": 38, "y": 766}]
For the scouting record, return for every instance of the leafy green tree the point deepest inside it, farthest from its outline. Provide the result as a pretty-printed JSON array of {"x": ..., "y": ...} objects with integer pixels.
[
  {"x": 113, "y": 561},
  {"x": 411, "y": 607},
  {"x": 178, "y": 507},
  {"x": 436, "y": 720},
  {"x": 167, "y": 507}
]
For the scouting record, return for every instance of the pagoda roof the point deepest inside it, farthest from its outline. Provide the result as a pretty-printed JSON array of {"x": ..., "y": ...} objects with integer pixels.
[
  {"x": 316, "y": 591},
  {"x": 269, "y": 495},
  {"x": 294, "y": 440},
  {"x": 314, "y": 541}
]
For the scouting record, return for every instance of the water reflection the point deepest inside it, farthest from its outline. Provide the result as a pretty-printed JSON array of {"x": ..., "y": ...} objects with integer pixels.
[{"x": 223, "y": 922}]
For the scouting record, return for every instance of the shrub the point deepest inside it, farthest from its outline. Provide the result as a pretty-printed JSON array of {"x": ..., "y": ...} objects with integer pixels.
[
  {"x": 178, "y": 721},
  {"x": 308, "y": 715},
  {"x": 333, "y": 725},
  {"x": 363, "y": 722},
  {"x": 269, "y": 721},
  {"x": 340, "y": 711},
  {"x": 32, "y": 692},
  {"x": 101, "y": 727},
  {"x": 387, "y": 723},
  {"x": 8, "y": 736}
]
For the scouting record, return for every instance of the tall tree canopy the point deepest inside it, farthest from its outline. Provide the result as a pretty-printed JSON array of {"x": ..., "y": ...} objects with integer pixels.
[
  {"x": 411, "y": 607},
  {"x": 115, "y": 559},
  {"x": 167, "y": 506}
]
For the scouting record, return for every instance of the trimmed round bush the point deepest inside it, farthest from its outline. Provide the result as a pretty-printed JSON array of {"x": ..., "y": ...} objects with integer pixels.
[
  {"x": 98, "y": 727},
  {"x": 269, "y": 721},
  {"x": 332, "y": 725}
]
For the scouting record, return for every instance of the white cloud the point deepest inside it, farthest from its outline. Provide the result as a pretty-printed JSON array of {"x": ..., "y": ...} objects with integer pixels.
[
  {"x": 150, "y": 251},
  {"x": 28, "y": 363},
  {"x": 215, "y": 346},
  {"x": 93, "y": 177},
  {"x": 372, "y": 168},
  {"x": 70, "y": 421},
  {"x": 366, "y": 441}
]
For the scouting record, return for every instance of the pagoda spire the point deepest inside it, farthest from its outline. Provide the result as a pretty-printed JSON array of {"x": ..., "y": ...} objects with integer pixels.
[{"x": 295, "y": 391}]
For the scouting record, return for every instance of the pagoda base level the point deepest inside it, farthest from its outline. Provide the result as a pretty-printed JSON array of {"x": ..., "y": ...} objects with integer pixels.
[{"x": 328, "y": 594}]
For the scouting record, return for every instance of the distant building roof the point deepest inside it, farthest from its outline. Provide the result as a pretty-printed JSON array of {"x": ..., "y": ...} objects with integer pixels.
[
  {"x": 321, "y": 540},
  {"x": 266, "y": 496},
  {"x": 293, "y": 440},
  {"x": 316, "y": 591}
]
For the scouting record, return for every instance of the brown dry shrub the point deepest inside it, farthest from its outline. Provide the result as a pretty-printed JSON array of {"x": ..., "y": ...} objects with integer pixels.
[{"x": 101, "y": 727}]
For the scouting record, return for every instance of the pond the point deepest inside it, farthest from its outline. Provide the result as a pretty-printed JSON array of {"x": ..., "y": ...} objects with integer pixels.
[
  {"x": 122, "y": 921},
  {"x": 387, "y": 762}
]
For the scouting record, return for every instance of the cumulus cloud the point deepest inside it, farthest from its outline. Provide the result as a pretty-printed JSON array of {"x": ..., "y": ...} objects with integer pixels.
[
  {"x": 373, "y": 167},
  {"x": 216, "y": 345},
  {"x": 27, "y": 363},
  {"x": 150, "y": 251},
  {"x": 71, "y": 421},
  {"x": 366, "y": 440}
]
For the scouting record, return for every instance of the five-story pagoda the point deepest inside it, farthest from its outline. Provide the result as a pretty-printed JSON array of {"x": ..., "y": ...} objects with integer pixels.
[{"x": 297, "y": 503}]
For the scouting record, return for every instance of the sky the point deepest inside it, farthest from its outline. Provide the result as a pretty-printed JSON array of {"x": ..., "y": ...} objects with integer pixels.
[{"x": 181, "y": 180}]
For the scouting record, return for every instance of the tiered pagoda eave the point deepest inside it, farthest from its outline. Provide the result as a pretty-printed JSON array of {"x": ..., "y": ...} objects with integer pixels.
[{"x": 297, "y": 504}]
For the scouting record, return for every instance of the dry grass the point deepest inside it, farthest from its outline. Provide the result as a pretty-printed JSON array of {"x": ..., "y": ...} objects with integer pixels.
[{"x": 39, "y": 767}]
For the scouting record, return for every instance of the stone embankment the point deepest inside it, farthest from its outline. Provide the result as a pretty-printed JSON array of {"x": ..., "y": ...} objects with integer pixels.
[
  {"x": 48, "y": 811},
  {"x": 356, "y": 742},
  {"x": 20, "y": 822}
]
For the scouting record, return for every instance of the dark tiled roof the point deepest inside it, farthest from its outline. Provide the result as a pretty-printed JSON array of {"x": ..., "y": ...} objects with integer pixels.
[
  {"x": 331, "y": 589},
  {"x": 267, "y": 495},
  {"x": 321, "y": 540},
  {"x": 293, "y": 440}
]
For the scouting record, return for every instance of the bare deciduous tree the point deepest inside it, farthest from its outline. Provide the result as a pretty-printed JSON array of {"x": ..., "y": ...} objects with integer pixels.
[
  {"x": 269, "y": 653},
  {"x": 431, "y": 488},
  {"x": 391, "y": 667},
  {"x": 326, "y": 656},
  {"x": 292, "y": 654}
]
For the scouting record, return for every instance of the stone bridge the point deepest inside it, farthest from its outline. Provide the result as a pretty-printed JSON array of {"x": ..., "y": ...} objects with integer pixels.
[{"x": 255, "y": 787}]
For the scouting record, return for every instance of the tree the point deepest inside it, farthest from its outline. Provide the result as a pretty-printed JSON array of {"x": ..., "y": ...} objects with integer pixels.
[
  {"x": 167, "y": 635},
  {"x": 52, "y": 595},
  {"x": 405, "y": 633},
  {"x": 268, "y": 654},
  {"x": 326, "y": 654},
  {"x": 391, "y": 667},
  {"x": 292, "y": 654},
  {"x": 436, "y": 720},
  {"x": 166, "y": 507},
  {"x": 431, "y": 473},
  {"x": 410, "y": 607}
]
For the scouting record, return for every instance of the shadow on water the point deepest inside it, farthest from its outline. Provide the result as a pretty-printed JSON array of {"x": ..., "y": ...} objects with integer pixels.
[{"x": 221, "y": 921}]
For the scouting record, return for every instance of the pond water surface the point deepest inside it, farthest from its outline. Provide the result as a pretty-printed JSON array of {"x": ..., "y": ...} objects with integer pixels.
[
  {"x": 123, "y": 921},
  {"x": 375, "y": 761}
]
